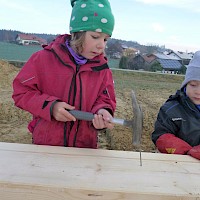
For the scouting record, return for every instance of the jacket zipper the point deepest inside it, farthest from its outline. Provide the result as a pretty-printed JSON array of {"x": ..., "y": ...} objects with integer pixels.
[
  {"x": 75, "y": 88},
  {"x": 66, "y": 139}
]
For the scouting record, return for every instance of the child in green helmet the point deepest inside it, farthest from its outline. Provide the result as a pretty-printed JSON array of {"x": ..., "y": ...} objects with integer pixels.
[{"x": 70, "y": 73}]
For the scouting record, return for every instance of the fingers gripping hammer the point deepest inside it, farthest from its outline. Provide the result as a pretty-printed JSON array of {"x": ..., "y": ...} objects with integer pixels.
[{"x": 136, "y": 123}]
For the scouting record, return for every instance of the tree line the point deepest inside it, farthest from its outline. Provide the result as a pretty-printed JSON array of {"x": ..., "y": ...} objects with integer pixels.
[
  {"x": 10, "y": 35},
  {"x": 113, "y": 45}
]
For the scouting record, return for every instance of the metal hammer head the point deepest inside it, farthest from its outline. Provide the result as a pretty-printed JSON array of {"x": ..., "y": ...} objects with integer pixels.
[{"x": 137, "y": 121}]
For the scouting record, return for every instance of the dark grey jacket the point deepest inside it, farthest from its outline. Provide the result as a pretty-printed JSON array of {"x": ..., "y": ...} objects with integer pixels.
[{"x": 180, "y": 117}]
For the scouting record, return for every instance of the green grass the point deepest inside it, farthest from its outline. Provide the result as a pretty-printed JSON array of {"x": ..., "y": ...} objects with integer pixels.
[
  {"x": 16, "y": 52},
  {"x": 138, "y": 80},
  {"x": 128, "y": 79},
  {"x": 113, "y": 63},
  {"x": 123, "y": 78}
]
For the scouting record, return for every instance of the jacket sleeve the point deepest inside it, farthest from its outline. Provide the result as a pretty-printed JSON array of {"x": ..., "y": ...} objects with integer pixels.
[
  {"x": 106, "y": 98},
  {"x": 26, "y": 93},
  {"x": 169, "y": 143},
  {"x": 163, "y": 124}
]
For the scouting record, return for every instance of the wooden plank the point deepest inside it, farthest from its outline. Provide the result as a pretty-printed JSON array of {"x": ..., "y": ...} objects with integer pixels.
[{"x": 47, "y": 172}]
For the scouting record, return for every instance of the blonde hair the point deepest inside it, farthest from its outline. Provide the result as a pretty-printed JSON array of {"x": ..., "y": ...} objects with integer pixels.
[{"x": 76, "y": 41}]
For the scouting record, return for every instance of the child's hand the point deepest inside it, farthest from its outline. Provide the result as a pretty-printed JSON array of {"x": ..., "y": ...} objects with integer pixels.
[
  {"x": 61, "y": 114},
  {"x": 195, "y": 152},
  {"x": 103, "y": 120}
]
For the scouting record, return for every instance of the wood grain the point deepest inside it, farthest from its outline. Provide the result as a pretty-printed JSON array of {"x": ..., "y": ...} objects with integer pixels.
[{"x": 47, "y": 172}]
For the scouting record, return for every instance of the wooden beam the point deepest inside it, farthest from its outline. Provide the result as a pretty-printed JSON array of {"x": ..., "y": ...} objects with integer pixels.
[{"x": 33, "y": 172}]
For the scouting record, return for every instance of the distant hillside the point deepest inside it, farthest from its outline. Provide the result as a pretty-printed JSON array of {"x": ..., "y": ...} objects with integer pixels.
[{"x": 9, "y": 36}]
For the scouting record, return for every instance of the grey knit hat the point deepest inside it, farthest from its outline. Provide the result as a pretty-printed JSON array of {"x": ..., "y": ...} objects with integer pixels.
[{"x": 193, "y": 70}]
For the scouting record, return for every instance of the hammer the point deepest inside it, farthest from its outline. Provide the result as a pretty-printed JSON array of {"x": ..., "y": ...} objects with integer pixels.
[{"x": 136, "y": 123}]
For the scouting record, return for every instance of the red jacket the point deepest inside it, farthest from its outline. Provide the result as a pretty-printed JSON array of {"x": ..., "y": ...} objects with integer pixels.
[{"x": 51, "y": 74}]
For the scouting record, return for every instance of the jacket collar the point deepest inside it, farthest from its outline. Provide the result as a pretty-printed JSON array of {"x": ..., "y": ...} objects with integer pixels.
[
  {"x": 59, "y": 48},
  {"x": 184, "y": 100}
]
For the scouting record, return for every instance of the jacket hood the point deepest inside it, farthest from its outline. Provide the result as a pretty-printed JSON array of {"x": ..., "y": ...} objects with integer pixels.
[
  {"x": 59, "y": 48},
  {"x": 59, "y": 40},
  {"x": 181, "y": 97},
  {"x": 176, "y": 96}
]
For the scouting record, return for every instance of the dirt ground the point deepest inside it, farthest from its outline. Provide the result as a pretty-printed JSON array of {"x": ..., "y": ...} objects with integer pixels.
[{"x": 13, "y": 121}]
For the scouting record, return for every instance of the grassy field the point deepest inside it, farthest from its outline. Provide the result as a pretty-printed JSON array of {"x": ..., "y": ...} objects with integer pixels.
[
  {"x": 16, "y": 52},
  {"x": 113, "y": 63},
  {"x": 130, "y": 79},
  {"x": 151, "y": 90}
]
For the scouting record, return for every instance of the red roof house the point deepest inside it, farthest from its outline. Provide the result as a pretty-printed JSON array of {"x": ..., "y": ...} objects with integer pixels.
[{"x": 26, "y": 39}]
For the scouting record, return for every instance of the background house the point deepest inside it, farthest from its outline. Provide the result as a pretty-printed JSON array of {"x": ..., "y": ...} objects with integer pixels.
[
  {"x": 141, "y": 62},
  {"x": 168, "y": 63},
  {"x": 183, "y": 56},
  {"x": 26, "y": 39},
  {"x": 129, "y": 51}
]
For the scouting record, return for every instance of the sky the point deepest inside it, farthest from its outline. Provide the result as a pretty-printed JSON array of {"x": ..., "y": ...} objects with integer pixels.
[{"x": 173, "y": 23}]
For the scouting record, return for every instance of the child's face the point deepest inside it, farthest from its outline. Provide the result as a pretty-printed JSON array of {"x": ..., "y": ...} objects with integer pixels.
[
  {"x": 193, "y": 91},
  {"x": 94, "y": 44}
]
